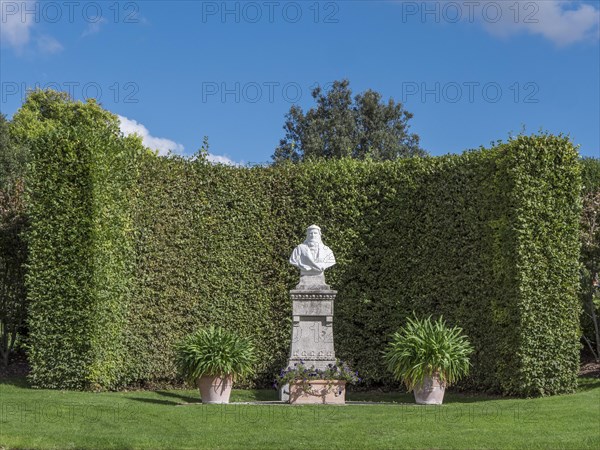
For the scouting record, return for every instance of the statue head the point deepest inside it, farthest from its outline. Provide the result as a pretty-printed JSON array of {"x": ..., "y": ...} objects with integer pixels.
[{"x": 313, "y": 234}]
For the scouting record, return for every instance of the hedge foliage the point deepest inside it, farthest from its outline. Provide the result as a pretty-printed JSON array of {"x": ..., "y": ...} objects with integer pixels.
[
  {"x": 13, "y": 249},
  {"x": 80, "y": 251},
  {"x": 127, "y": 261}
]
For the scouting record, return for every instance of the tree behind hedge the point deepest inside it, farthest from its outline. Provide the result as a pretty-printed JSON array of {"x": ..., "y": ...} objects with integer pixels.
[
  {"x": 341, "y": 127},
  {"x": 590, "y": 256}
]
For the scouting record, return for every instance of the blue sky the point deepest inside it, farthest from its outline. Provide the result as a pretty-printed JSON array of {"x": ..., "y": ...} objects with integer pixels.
[{"x": 470, "y": 72}]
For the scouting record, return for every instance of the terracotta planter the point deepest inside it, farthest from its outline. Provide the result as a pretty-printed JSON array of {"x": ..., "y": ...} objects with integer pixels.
[
  {"x": 215, "y": 389},
  {"x": 325, "y": 392},
  {"x": 431, "y": 392}
]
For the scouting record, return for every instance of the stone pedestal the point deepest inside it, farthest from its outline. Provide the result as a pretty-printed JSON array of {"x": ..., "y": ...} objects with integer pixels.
[
  {"x": 312, "y": 332},
  {"x": 312, "y": 335}
]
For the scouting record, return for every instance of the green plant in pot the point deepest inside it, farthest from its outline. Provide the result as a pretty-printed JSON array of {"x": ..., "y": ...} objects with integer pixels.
[
  {"x": 428, "y": 356},
  {"x": 211, "y": 358}
]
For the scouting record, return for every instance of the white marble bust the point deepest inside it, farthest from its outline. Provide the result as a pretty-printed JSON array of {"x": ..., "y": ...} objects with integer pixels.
[{"x": 312, "y": 257}]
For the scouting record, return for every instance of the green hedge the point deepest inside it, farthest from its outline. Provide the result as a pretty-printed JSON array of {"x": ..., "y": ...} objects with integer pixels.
[
  {"x": 488, "y": 238},
  {"x": 80, "y": 241},
  {"x": 205, "y": 255},
  {"x": 120, "y": 272}
]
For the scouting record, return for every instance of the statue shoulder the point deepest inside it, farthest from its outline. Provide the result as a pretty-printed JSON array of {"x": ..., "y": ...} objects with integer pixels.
[{"x": 302, "y": 248}]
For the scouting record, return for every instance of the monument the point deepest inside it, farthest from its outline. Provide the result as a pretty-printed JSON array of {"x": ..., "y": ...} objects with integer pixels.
[{"x": 312, "y": 306}]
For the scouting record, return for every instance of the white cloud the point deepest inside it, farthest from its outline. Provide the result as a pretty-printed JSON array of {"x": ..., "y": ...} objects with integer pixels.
[
  {"x": 93, "y": 27},
  {"x": 563, "y": 22},
  {"x": 129, "y": 126},
  {"x": 48, "y": 45},
  {"x": 15, "y": 29},
  {"x": 221, "y": 159},
  {"x": 162, "y": 145}
]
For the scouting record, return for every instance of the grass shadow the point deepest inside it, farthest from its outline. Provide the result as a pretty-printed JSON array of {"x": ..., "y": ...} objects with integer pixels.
[
  {"x": 155, "y": 401},
  {"x": 474, "y": 398},
  {"x": 174, "y": 398},
  {"x": 175, "y": 395},
  {"x": 266, "y": 395},
  {"x": 378, "y": 396},
  {"x": 587, "y": 383},
  {"x": 405, "y": 397},
  {"x": 17, "y": 381},
  {"x": 252, "y": 395}
]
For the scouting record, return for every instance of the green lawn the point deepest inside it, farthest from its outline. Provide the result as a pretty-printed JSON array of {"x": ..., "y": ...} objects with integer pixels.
[{"x": 31, "y": 418}]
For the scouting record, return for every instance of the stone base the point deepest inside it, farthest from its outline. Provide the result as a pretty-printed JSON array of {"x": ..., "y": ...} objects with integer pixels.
[
  {"x": 319, "y": 392},
  {"x": 312, "y": 334},
  {"x": 284, "y": 393},
  {"x": 312, "y": 282}
]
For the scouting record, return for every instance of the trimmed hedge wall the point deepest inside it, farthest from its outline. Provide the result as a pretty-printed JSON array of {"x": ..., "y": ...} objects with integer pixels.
[
  {"x": 120, "y": 271},
  {"x": 205, "y": 242},
  {"x": 488, "y": 238},
  {"x": 81, "y": 259}
]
